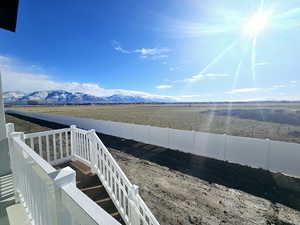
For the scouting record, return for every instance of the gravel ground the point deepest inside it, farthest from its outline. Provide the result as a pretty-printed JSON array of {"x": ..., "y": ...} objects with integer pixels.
[{"x": 184, "y": 189}]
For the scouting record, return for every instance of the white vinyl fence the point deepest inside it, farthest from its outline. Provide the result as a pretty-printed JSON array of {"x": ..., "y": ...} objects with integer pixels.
[
  {"x": 49, "y": 196},
  {"x": 270, "y": 155}
]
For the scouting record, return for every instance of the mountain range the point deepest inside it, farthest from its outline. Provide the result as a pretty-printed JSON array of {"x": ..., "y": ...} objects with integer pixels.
[{"x": 65, "y": 97}]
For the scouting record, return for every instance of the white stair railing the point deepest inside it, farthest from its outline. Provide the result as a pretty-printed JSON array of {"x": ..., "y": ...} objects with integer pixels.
[
  {"x": 89, "y": 149},
  {"x": 50, "y": 196}
]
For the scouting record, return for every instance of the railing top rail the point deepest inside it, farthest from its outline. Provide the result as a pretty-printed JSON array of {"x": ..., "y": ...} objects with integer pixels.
[
  {"x": 83, "y": 131},
  {"x": 28, "y": 152},
  {"x": 45, "y": 133}
]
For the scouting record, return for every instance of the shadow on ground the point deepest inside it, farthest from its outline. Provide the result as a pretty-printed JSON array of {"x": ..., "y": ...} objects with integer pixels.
[{"x": 272, "y": 186}]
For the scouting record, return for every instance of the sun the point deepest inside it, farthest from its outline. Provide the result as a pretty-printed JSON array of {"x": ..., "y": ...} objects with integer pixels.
[{"x": 257, "y": 23}]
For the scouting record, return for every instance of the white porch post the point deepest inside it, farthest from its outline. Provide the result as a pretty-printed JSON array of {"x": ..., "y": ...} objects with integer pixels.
[
  {"x": 93, "y": 154},
  {"x": 73, "y": 144},
  {"x": 4, "y": 151},
  {"x": 62, "y": 178},
  {"x": 134, "y": 217},
  {"x": 2, "y": 115}
]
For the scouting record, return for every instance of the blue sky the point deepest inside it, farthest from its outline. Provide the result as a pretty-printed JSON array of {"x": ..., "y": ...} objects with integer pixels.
[{"x": 188, "y": 49}]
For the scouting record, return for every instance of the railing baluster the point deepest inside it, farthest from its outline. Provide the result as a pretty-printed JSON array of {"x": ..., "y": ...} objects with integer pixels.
[
  {"x": 60, "y": 146},
  {"x": 47, "y": 149},
  {"x": 67, "y": 144},
  {"x": 40, "y": 147},
  {"x": 31, "y": 143},
  {"x": 54, "y": 147},
  {"x": 80, "y": 144},
  {"x": 83, "y": 146},
  {"x": 75, "y": 145}
]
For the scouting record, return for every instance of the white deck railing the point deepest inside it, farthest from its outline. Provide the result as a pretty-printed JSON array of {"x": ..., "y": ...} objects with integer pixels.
[
  {"x": 36, "y": 180},
  {"x": 50, "y": 196},
  {"x": 54, "y": 146}
]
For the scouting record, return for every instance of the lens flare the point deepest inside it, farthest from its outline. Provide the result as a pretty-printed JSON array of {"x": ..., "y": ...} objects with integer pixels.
[{"x": 257, "y": 23}]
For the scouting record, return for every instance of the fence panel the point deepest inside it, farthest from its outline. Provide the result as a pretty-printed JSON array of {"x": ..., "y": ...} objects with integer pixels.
[
  {"x": 158, "y": 136},
  {"x": 284, "y": 158},
  {"x": 141, "y": 133},
  {"x": 210, "y": 145},
  {"x": 245, "y": 151},
  {"x": 182, "y": 140},
  {"x": 205, "y": 144},
  {"x": 127, "y": 130}
]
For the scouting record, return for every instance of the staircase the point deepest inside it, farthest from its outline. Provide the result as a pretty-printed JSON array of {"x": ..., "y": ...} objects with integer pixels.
[{"x": 90, "y": 184}]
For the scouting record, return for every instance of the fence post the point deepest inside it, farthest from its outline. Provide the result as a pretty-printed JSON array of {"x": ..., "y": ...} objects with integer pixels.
[
  {"x": 225, "y": 146},
  {"x": 61, "y": 178},
  {"x": 194, "y": 142},
  {"x": 73, "y": 144},
  {"x": 92, "y": 148},
  {"x": 267, "y": 166},
  {"x": 134, "y": 216},
  {"x": 169, "y": 144},
  {"x": 149, "y": 138}
]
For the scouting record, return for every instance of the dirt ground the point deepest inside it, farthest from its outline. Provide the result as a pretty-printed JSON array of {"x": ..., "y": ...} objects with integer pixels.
[
  {"x": 276, "y": 121},
  {"x": 181, "y": 188},
  {"x": 25, "y": 126}
]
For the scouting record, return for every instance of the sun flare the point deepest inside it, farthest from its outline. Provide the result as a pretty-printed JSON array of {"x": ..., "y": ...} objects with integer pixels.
[{"x": 257, "y": 23}]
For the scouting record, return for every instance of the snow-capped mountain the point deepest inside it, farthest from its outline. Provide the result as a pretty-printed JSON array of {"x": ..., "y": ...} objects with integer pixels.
[
  {"x": 65, "y": 97},
  {"x": 12, "y": 96}
]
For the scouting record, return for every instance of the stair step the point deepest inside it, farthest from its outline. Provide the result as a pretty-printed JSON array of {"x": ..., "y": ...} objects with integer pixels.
[
  {"x": 118, "y": 217},
  {"x": 81, "y": 167},
  {"x": 97, "y": 194},
  {"x": 108, "y": 206},
  {"x": 115, "y": 214},
  {"x": 100, "y": 201},
  {"x": 87, "y": 181},
  {"x": 91, "y": 188}
]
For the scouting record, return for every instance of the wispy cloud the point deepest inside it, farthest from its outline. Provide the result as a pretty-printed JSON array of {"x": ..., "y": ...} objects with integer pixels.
[
  {"x": 163, "y": 86},
  {"x": 278, "y": 86},
  {"x": 151, "y": 53},
  {"x": 174, "y": 68},
  {"x": 199, "y": 77},
  {"x": 243, "y": 90},
  {"x": 262, "y": 63}
]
